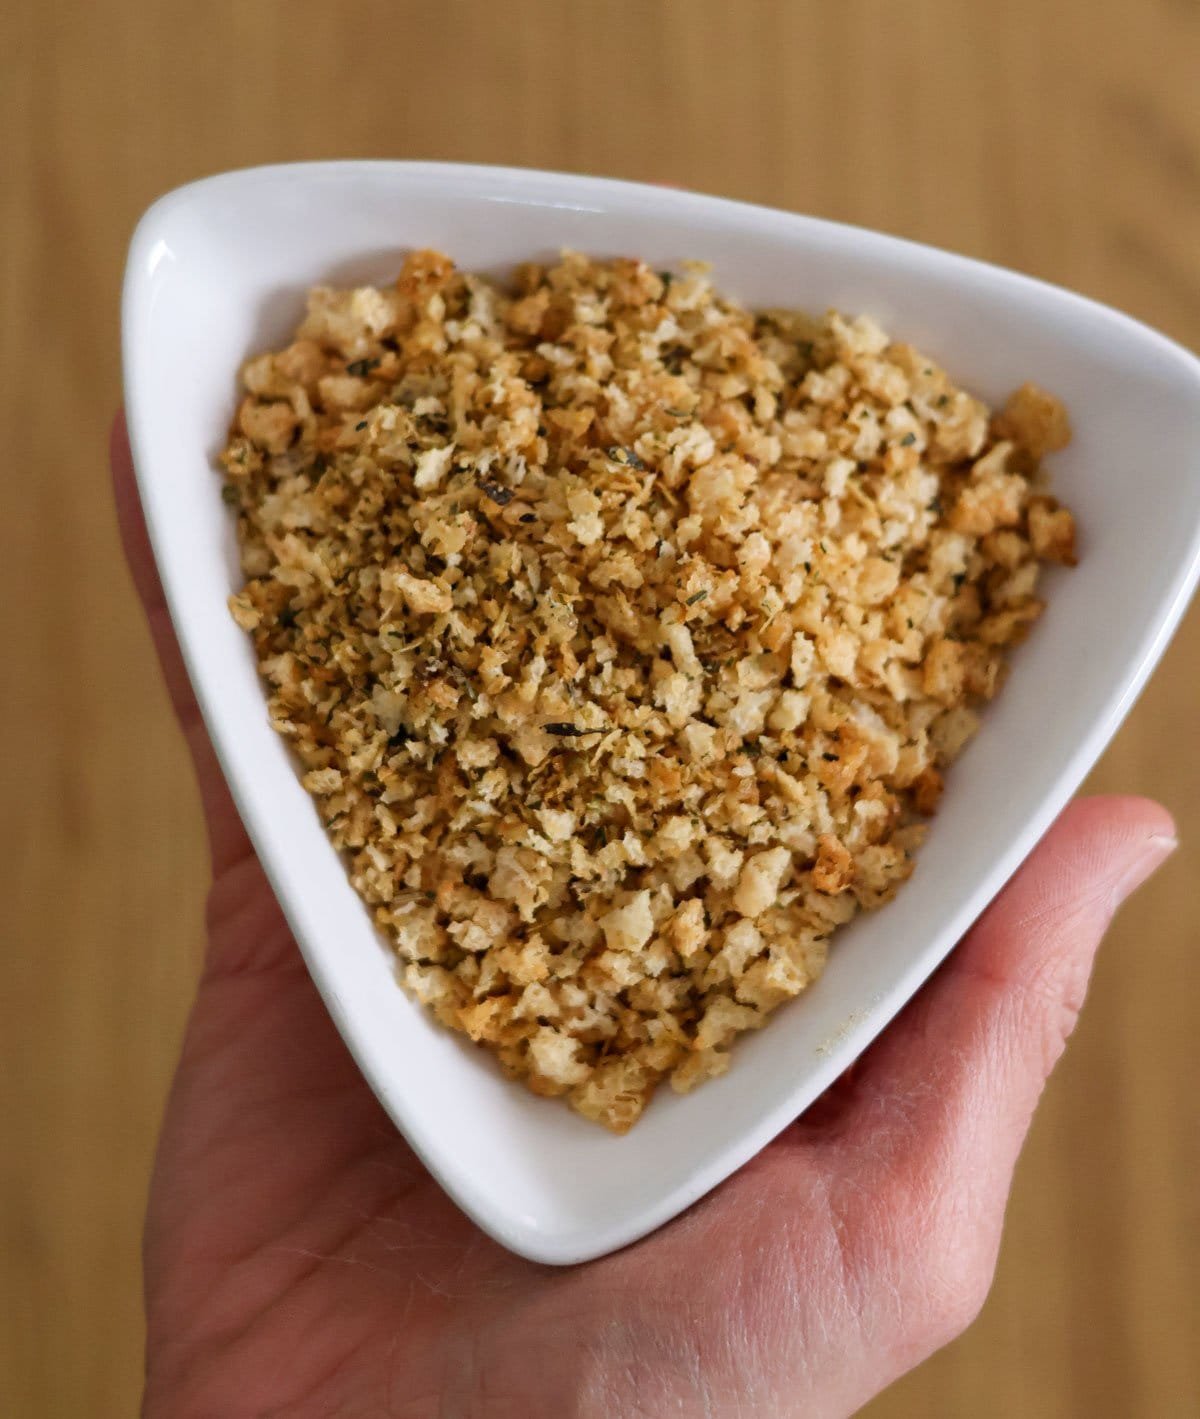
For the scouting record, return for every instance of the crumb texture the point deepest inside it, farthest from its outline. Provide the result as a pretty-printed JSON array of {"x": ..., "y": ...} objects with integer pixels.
[{"x": 623, "y": 636}]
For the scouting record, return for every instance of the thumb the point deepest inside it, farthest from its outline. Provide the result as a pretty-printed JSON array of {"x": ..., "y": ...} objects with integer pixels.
[
  {"x": 946, "y": 1096},
  {"x": 925, "y": 1147}
]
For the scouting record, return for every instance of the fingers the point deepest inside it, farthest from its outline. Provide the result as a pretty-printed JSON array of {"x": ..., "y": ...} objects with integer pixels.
[{"x": 227, "y": 838}]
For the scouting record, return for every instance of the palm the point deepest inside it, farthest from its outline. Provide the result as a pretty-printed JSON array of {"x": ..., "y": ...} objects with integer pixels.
[
  {"x": 301, "y": 1262},
  {"x": 300, "y": 1259},
  {"x": 276, "y": 1187}
]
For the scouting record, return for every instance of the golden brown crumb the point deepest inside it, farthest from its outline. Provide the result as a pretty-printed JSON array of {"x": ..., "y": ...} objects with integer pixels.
[
  {"x": 1052, "y": 531},
  {"x": 623, "y": 635},
  {"x": 927, "y": 790},
  {"x": 833, "y": 870},
  {"x": 1035, "y": 420}
]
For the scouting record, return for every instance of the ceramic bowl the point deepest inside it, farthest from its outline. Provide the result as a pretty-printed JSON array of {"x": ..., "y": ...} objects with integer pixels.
[{"x": 219, "y": 269}]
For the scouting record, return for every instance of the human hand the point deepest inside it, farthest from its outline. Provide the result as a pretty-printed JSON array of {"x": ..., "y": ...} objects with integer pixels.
[{"x": 299, "y": 1261}]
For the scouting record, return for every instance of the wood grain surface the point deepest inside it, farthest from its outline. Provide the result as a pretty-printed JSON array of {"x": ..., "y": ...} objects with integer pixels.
[{"x": 1058, "y": 136}]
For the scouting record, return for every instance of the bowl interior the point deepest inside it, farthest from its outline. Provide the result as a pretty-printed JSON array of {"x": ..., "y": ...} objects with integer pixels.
[{"x": 218, "y": 270}]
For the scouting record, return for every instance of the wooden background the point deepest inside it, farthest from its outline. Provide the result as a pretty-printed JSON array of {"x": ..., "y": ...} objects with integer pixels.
[{"x": 1058, "y": 136}]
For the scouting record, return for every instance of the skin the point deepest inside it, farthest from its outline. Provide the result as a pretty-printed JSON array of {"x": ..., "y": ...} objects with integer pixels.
[{"x": 299, "y": 1261}]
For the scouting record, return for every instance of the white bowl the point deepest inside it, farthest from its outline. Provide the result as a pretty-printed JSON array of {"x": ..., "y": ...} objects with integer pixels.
[{"x": 219, "y": 269}]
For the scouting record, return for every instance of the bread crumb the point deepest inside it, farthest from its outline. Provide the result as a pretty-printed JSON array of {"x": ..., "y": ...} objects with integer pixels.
[{"x": 623, "y": 636}]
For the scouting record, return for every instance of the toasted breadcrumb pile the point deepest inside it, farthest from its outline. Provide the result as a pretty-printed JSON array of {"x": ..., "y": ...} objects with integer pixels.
[{"x": 623, "y": 635}]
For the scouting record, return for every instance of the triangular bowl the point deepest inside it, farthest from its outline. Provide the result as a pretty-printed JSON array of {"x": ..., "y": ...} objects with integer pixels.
[{"x": 218, "y": 270}]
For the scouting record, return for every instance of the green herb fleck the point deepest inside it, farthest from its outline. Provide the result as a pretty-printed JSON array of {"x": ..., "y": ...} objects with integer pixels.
[
  {"x": 908, "y": 440},
  {"x": 699, "y": 596},
  {"x": 500, "y": 496},
  {"x": 627, "y": 457}
]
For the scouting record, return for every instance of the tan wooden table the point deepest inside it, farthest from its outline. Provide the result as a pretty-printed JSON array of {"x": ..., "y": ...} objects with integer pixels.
[{"x": 1059, "y": 136}]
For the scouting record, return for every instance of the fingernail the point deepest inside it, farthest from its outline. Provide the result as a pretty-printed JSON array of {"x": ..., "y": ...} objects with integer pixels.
[{"x": 1155, "y": 851}]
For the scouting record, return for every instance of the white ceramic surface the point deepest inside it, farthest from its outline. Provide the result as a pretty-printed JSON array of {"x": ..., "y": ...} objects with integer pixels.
[{"x": 218, "y": 270}]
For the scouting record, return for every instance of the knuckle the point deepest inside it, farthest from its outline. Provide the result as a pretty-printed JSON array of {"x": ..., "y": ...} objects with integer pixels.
[
  {"x": 959, "y": 1300},
  {"x": 952, "y": 1275}
]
